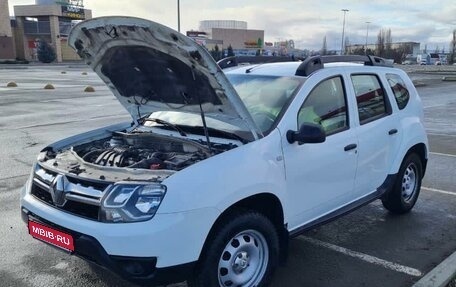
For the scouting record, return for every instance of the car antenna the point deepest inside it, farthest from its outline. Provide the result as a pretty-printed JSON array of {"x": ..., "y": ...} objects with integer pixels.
[{"x": 251, "y": 68}]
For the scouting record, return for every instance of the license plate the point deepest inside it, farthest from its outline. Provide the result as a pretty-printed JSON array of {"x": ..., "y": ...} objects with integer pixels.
[{"x": 51, "y": 236}]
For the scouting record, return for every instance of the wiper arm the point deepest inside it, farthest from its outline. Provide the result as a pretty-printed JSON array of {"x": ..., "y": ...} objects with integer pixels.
[
  {"x": 222, "y": 133},
  {"x": 165, "y": 123},
  {"x": 231, "y": 135}
]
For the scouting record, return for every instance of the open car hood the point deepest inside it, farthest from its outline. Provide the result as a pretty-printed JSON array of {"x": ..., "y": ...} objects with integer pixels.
[{"x": 150, "y": 67}]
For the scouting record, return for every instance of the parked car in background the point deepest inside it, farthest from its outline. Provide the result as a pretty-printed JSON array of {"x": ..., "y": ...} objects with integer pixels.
[
  {"x": 218, "y": 169},
  {"x": 423, "y": 59},
  {"x": 410, "y": 60},
  {"x": 435, "y": 59}
]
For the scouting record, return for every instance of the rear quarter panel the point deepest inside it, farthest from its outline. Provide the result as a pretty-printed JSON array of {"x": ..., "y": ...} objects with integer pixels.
[{"x": 411, "y": 120}]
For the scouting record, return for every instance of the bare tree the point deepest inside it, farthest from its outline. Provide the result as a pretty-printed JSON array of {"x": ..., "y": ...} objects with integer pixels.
[
  {"x": 453, "y": 48},
  {"x": 400, "y": 53},
  {"x": 324, "y": 48},
  {"x": 230, "y": 51},
  {"x": 381, "y": 43},
  {"x": 360, "y": 50},
  {"x": 388, "y": 43}
]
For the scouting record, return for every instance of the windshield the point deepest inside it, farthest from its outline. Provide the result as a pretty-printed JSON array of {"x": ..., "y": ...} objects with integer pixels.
[
  {"x": 192, "y": 123},
  {"x": 264, "y": 96}
]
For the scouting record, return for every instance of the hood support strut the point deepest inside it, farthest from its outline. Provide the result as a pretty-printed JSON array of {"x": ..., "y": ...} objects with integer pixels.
[{"x": 206, "y": 132}]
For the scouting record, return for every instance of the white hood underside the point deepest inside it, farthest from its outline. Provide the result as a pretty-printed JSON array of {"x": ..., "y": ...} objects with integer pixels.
[{"x": 150, "y": 67}]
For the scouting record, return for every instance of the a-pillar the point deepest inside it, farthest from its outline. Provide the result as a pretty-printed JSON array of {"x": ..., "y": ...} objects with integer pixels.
[{"x": 55, "y": 36}]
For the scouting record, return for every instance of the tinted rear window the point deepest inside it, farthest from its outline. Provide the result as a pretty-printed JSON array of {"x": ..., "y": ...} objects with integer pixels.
[
  {"x": 370, "y": 97},
  {"x": 401, "y": 94}
]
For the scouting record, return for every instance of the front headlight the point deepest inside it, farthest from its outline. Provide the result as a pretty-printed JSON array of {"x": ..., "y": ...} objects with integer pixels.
[{"x": 131, "y": 202}]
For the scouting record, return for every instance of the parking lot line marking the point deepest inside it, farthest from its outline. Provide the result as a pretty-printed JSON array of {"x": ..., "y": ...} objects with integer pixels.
[
  {"x": 437, "y": 134},
  {"x": 365, "y": 257},
  {"x": 15, "y": 176},
  {"x": 444, "y": 154},
  {"x": 439, "y": 190}
]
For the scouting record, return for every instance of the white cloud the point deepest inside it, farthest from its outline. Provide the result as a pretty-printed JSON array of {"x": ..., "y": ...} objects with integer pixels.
[{"x": 307, "y": 22}]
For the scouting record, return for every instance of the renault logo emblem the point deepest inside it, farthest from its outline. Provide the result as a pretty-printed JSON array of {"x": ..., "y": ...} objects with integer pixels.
[{"x": 57, "y": 190}]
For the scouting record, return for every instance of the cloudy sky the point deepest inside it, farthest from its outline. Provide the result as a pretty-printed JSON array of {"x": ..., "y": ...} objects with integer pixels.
[{"x": 306, "y": 22}]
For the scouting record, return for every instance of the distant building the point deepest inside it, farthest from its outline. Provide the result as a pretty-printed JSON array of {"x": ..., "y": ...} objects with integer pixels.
[
  {"x": 282, "y": 48},
  {"x": 7, "y": 51},
  {"x": 49, "y": 20},
  {"x": 229, "y": 32},
  {"x": 202, "y": 39},
  {"x": 208, "y": 25},
  {"x": 239, "y": 39}
]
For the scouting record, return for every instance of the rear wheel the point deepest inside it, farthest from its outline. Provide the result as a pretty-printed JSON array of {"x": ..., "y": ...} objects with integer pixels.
[
  {"x": 406, "y": 189},
  {"x": 243, "y": 251}
]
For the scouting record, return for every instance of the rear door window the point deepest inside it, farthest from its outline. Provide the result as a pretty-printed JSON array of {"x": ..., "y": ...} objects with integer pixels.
[
  {"x": 401, "y": 94},
  {"x": 370, "y": 97}
]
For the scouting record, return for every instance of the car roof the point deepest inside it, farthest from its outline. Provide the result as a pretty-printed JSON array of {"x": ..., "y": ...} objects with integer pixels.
[
  {"x": 284, "y": 69},
  {"x": 309, "y": 66},
  {"x": 281, "y": 69}
]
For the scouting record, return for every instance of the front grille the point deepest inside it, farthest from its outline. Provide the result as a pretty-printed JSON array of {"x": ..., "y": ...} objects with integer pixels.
[
  {"x": 81, "y": 209},
  {"x": 82, "y": 197},
  {"x": 42, "y": 194},
  {"x": 99, "y": 185}
]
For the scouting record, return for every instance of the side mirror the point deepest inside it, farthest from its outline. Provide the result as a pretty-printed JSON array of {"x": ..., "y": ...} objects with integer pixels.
[{"x": 308, "y": 133}]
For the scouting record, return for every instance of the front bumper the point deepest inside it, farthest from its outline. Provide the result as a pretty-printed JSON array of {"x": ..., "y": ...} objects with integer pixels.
[
  {"x": 139, "y": 270},
  {"x": 168, "y": 244},
  {"x": 174, "y": 238}
]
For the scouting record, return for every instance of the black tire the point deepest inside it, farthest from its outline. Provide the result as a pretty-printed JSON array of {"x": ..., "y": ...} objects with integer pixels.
[
  {"x": 243, "y": 226},
  {"x": 406, "y": 189}
]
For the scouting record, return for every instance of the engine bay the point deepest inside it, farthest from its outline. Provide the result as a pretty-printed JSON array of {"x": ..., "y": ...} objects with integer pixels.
[
  {"x": 131, "y": 155},
  {"x": 141, "y": 151},
  {"x": 146, "y": 151}
]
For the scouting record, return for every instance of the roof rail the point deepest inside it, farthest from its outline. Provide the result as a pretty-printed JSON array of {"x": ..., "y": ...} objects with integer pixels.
[
  {"x": 228, "y": 62},
  {"x": 234, "y": 61},
  {"x": 312, "y": 64}
]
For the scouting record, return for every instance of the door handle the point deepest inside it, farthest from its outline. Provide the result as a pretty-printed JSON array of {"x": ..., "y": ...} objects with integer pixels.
[
  {"x": 350, "y": 147},
  {"x": 392, "y": 132}
]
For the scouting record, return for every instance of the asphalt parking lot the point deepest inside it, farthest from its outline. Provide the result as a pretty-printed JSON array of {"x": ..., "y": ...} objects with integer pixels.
[{"x": 369, "y": 247}]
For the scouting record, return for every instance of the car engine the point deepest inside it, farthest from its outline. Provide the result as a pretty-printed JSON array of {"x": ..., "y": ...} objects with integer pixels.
[{"x": 146, "y": 151}]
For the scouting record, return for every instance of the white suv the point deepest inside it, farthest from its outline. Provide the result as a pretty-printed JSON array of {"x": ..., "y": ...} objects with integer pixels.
[{"x": 218, "y": 170}]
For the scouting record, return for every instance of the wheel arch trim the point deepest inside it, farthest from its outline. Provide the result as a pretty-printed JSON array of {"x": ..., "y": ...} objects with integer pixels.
[
  {"x": 257, "y": 202},
  {"x": 418, "y": 147}
]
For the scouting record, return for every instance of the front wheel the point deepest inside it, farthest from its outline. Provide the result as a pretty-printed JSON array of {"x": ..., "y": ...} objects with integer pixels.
[
  {"x": 406, "y": 189},
  {"x": 243, "y": 251}
]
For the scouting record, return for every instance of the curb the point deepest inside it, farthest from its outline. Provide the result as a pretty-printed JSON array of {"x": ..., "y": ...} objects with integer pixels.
[
  {"x": 418, "y": 84},
  {"x": 449, "y": 78},
  {"x": 441, "y": 275}
]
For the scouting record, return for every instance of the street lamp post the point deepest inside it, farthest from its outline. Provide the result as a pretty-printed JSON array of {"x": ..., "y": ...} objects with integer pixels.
[
  {"x": 342, "y": 52},
  {"x": 367, "y": 35},
  {"x": 178, "y": 17}
]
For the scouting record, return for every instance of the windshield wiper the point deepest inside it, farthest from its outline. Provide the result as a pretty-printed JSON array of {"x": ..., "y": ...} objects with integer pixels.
[
  {"x": 230, "y": 135},
  {"x": 165, "y": 123},
  {"x": 217, "y": 133}
]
